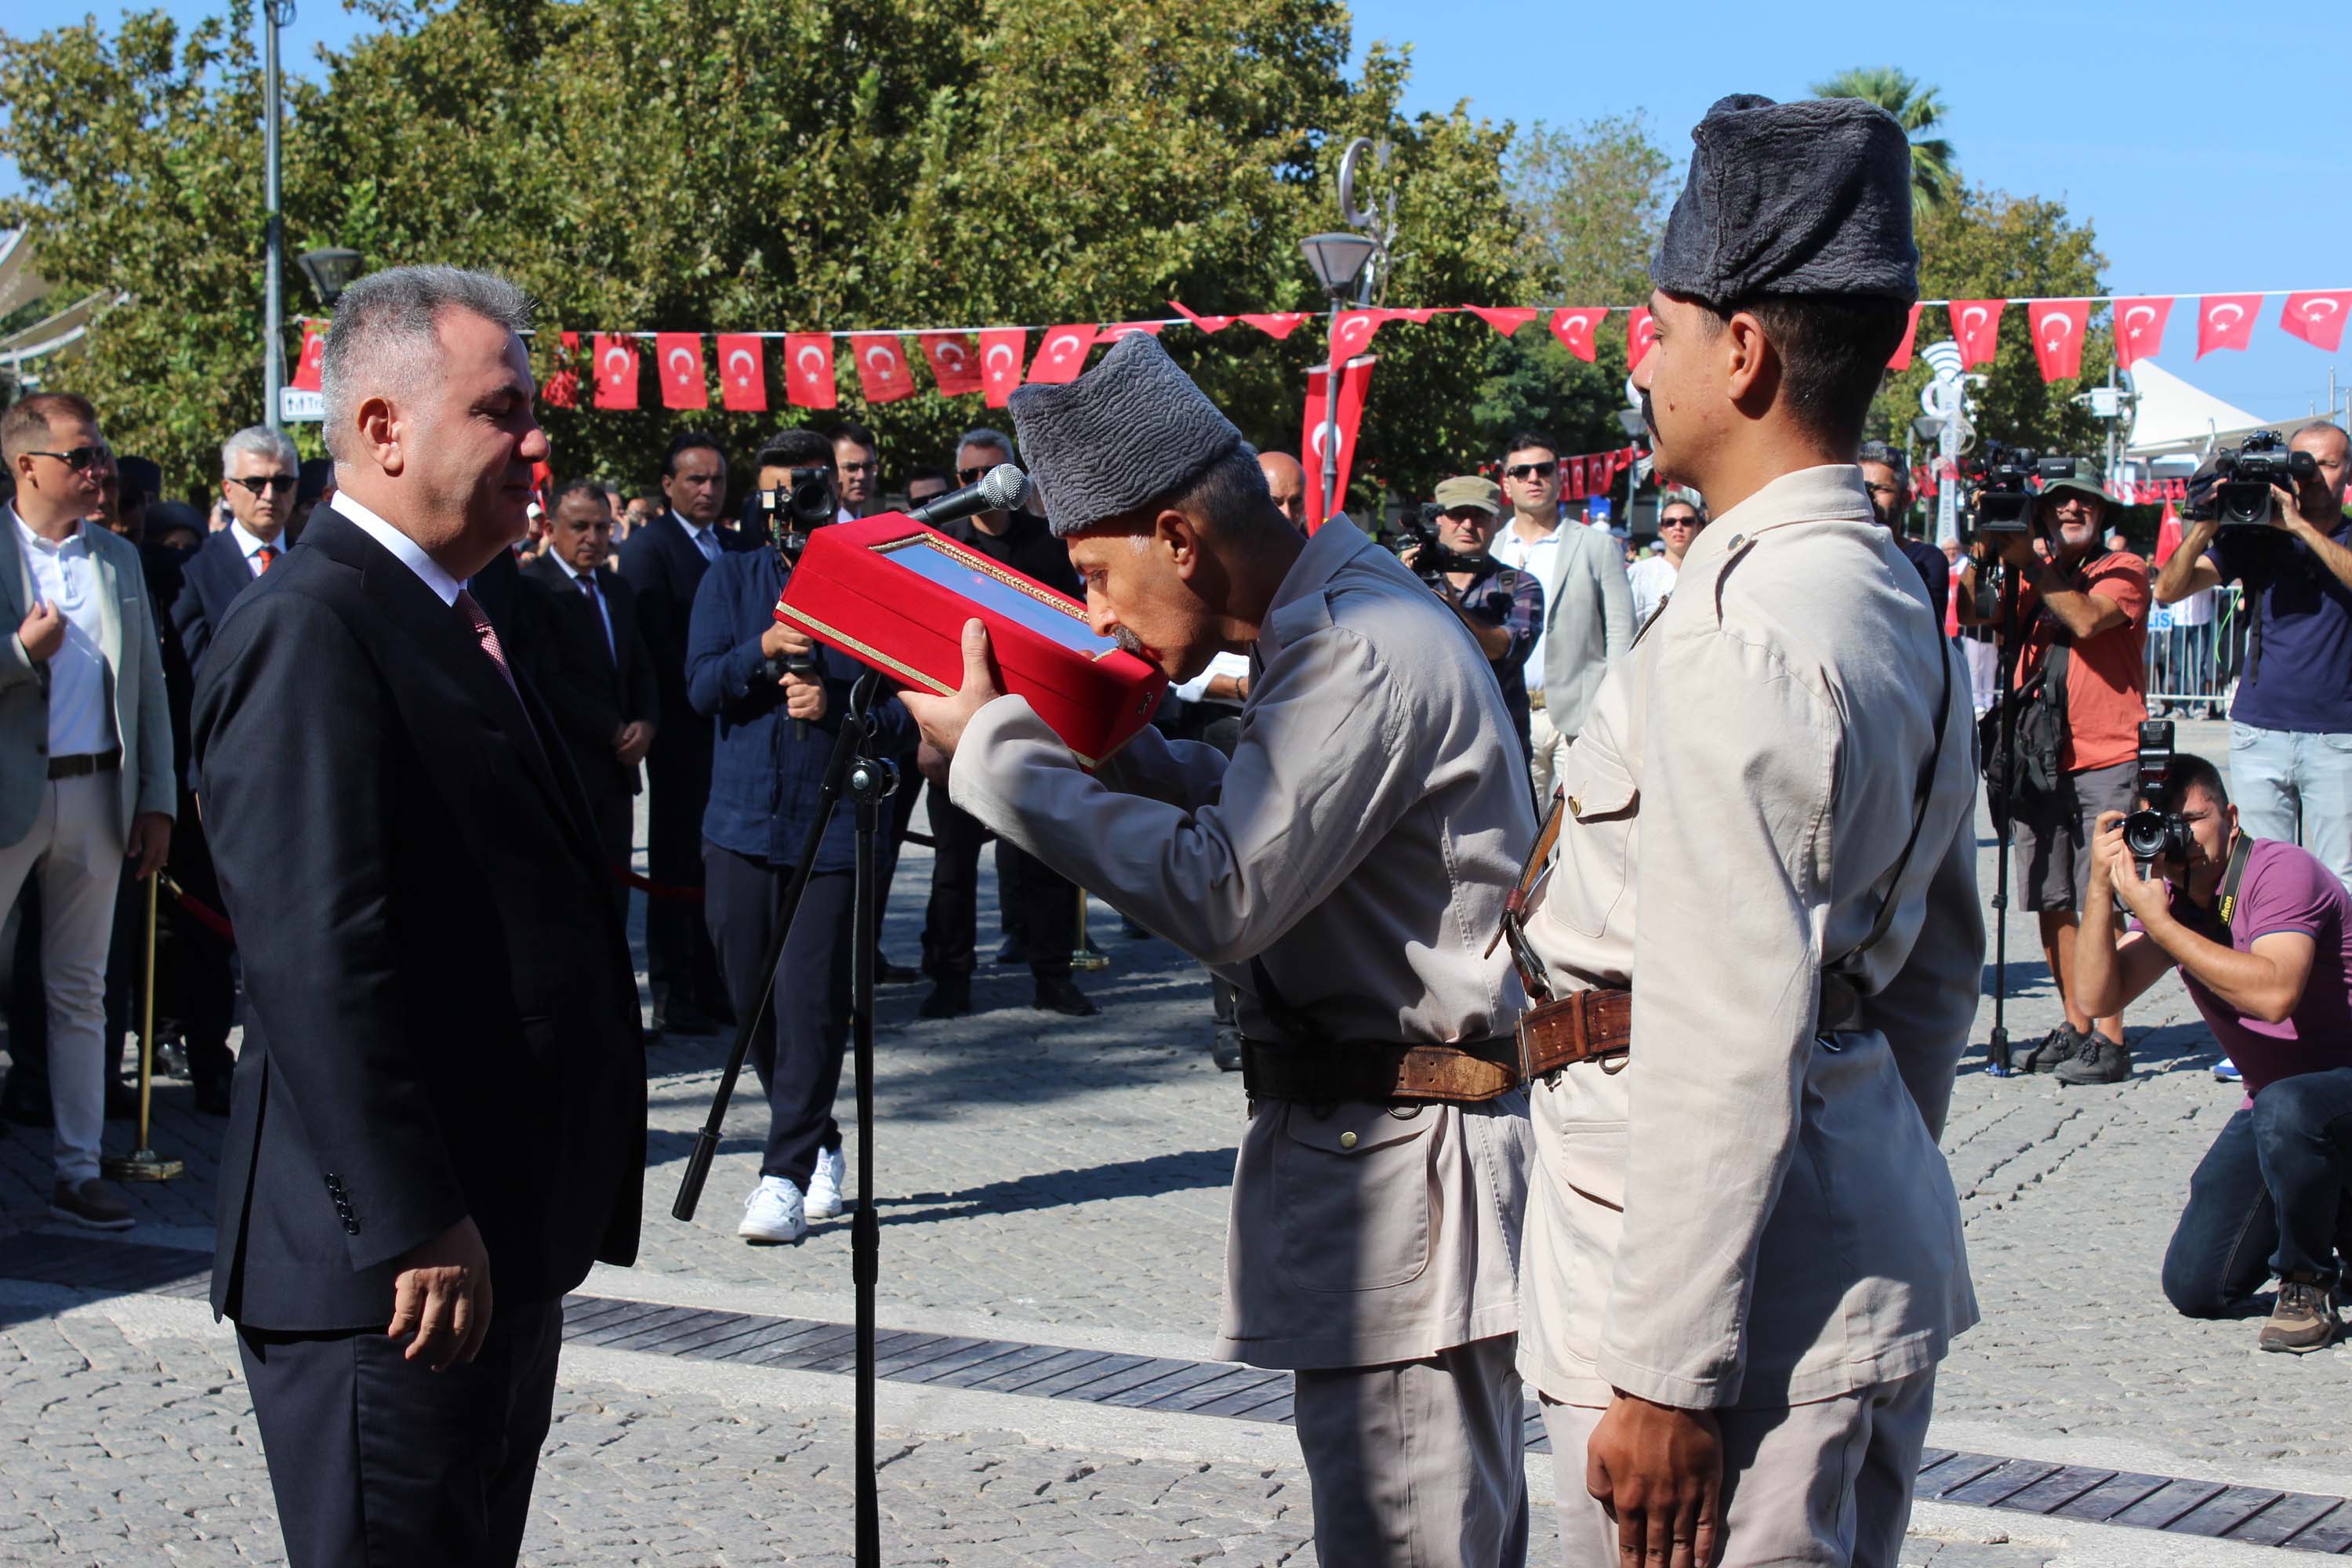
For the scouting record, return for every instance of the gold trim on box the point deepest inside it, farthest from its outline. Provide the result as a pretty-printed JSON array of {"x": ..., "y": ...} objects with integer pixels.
[{"x": 982, "y": 564}]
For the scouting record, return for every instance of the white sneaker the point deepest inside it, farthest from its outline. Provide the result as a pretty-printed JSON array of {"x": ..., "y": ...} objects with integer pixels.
[
  {"x": 824, "y": 1185},
  {"x": 772, "y": 1215}
]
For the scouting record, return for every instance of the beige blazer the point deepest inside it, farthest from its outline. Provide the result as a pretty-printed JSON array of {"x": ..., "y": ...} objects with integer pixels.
[
  {"x": 1754, "y": 1211},
  {"x": 1361, "y": 841}
]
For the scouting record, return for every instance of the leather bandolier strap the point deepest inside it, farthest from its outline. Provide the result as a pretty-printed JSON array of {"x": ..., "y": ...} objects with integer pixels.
[
  {"x": 1463, "y": 1074},
  {"x": 1581, "y": 1026}
]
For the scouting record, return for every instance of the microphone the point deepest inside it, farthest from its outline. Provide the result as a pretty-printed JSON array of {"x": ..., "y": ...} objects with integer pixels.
[{"x": 1002, "y": 489}]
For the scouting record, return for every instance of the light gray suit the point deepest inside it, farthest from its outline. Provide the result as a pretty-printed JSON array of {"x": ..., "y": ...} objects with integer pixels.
[{"x": 1587, "y": 621}]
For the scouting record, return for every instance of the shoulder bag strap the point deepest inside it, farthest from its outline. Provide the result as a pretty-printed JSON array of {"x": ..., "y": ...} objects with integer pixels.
[{"x": 1925, "y": 789}]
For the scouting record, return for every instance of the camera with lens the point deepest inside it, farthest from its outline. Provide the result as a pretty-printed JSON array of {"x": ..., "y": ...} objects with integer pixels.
[
  {"x": 2156, "y": 835},
  {"x": 1435, "y": 562},
  {"x": 804, "y": 502},
  {"x": 2004, "y": 482},
  {"x": 2242, "y": 495}
]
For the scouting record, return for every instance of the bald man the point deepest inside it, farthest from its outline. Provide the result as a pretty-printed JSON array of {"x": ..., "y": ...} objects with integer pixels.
[{"x": 1286, "y": 482}]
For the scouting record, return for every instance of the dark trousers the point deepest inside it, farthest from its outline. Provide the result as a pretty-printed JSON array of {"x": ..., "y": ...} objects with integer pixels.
[
  {"x": 2270, "y": 1196},
  {"x": 379, "y": 1461},
  {"x": 613, "y": 812},
  {"x": 1041, "y": 907},
  {"x": 902, "y": 814},
  {"x": 196, "y": 986},
  {"x": 797, "y": 1050},
  {"x": 679, "y": 959}
]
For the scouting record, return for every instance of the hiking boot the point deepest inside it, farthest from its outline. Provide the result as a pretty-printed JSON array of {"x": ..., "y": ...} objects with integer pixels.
[
  {"x": 2303, "y": 1318},
  {"x": 2058, "y": 1046},
  {"x": 2101, "y": 1060}
]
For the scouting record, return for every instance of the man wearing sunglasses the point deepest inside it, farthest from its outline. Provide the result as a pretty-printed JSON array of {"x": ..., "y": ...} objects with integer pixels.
[
  {"x": 261, "y": 471},
  {"x": 1588, "y": 606},
  {"x": 86, "y": 759}
]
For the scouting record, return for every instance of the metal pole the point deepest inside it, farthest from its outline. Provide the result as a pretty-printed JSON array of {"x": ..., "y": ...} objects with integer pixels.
[
  {"x": 870, "y": 782},
  {"x": 1330, "y": 424},
  {"x": 144, "y": 1165},
  {"x": 274, "y": 13}
]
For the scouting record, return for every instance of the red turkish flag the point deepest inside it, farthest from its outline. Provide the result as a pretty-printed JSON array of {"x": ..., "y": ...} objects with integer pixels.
[
  {"x": 1975, "y": 326},
  {"x": 1353, "y": 377},
  {"x": 1572, "y": 469},
  {"x": 2316, "y": 319},
  {"x": 562, "y": 388},
  {"x": 616, "y": 371},
  {"x": 2139, "y": 327},
  {"x": 1504, "y": 319},
  {"x": 1000, "y": 348},
  {"x": 1574, "y": 327},
  {"x": 2226, "y": 322},
  {"x": 1902, "y": 360},
  {"x": 2167, "y": 534},
  {"x": 1279, "y": 325},
  {"x": 1206, "y": 323},
  {"x": 1641, "y": 332},
  {"x": 955, "y": 363},
  {"x": 1419, "y": 316},
  {"x": 1111, "y": 335},
  {"x": 743, "y": 372},
  {"x": 882, "y": 373},
  {"x": 1063, "y": 353},
  {"x": 2058, "y": 326},
  {"x": 1351, "y": 333},
  {"x": 808, "y": 371},
  {"x": 308, "y": 370},
  {"x": 683, "y": 384}
]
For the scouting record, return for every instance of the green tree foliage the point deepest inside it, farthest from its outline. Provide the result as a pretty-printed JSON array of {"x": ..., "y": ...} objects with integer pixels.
[
  {"x": 1920, "y": 110},
  {"x": 715, "y": 166}
]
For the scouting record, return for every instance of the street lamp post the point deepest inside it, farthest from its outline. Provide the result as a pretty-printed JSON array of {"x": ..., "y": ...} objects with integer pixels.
[
  {"x": 275, "y": 14},
  {"x": 1337, "y": 260}
]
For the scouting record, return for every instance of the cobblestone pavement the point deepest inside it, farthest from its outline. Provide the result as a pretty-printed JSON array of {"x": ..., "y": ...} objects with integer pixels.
[{"x": 1064, "y": 1181}]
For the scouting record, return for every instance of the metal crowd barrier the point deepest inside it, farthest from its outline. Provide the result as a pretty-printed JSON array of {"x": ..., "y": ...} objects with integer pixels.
[{"x": 2191, "y": 663}]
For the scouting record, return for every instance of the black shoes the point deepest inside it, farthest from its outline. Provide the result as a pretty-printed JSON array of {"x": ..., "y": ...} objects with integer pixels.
[
  {"x": 950, "y": 997},
  {"x": 2054, "y": 1050},
  {"x": 889, "y": 973},
  {"x": 676, "y": 1017},
  {"x": 1014, "y": 951},
  {"x": 1227, "y": 1052},
  {"x": 2100, "y": 1061},
  {"x": 1058, "y": 995}
]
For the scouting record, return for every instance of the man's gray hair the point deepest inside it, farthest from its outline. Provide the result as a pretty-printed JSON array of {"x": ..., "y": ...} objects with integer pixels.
[
  {"x": 981, "y": 436},
  {"x": 1880, "y": 452},
  {"x": 1231, "y": 497},
  {"x": 383, "y": 339},
  {"x": 260, "y": 441}
]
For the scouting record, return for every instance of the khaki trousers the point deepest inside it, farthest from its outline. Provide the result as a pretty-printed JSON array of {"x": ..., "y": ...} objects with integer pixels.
[
  {"x": 1419, "y": 1464},
  {"x": 1826, "y": 1485},
  {"x": 1551, "y": 748}
]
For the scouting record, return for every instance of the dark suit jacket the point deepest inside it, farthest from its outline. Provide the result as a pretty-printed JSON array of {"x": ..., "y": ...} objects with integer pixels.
[
  {"x": 664, "y": 567},
  {"x": 211, "y": 582},
  {"x": 594, "y": 687},
  {"x": 439, "y": 1015},
  {"x": 1026, "y": 545}
]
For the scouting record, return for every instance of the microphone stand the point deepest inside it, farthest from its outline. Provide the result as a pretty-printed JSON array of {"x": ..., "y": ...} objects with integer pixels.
[
  {"x": 2005, "y": 706},
  {"x": 867, "y": 781}
]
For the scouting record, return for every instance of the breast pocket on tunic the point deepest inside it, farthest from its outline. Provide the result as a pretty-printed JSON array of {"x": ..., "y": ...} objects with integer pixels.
[
  {"x": 1595, "y": 861},
  {"x": 1353, "y": 1187}
]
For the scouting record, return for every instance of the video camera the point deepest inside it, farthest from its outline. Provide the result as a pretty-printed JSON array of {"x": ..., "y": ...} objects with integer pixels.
[
  {"x": 2001, "y": 486},
  {"x": 806, "y": 502},
  {"x": 2242, "y": 498},
  {"x": 2156, "y": 835},
  {"x": 1435, "y": 560}
]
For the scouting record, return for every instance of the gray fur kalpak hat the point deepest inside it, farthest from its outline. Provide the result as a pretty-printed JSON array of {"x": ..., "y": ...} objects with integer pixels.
[
  {"x": 1812, "y": 197},
  {"x": 1132, "y": 430}
]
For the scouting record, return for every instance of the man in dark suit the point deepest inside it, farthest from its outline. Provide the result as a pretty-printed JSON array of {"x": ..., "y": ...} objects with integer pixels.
[
  {"x": 259, "y": 471},
  {"x": 664, "y": 562},
  {"x": 440, "y": 1108},
  {"x": 601, "y": 678}
]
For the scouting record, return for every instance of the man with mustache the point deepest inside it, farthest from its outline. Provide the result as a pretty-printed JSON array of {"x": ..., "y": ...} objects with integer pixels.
[{"x": 1345, "y": 868}]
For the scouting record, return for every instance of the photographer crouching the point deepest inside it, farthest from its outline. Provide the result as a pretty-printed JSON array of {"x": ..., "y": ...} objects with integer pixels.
[
  {"x": 1501, "y": 607},
  {"x": 2262, "y": 931}
]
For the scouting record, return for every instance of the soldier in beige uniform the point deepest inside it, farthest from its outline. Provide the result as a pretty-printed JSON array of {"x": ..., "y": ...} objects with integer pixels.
[
  {"x": 1346, "y": 870},
  {"x": 1744, "y": 1256}
]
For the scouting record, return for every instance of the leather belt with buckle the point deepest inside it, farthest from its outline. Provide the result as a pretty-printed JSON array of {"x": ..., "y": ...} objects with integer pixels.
[
  {"x": 1581, "y": 1026},
  {"x": 1465, "y": 1074},
  {"x": 82, "y": 764}
]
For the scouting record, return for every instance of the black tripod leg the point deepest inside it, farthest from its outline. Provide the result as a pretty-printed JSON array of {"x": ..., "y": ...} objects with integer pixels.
[
  {"x": 870, "y": 782},
  {"x": 2004, "y": 813}
]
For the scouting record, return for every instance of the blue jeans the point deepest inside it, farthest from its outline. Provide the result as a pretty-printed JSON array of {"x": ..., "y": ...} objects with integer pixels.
[
  {"x": 2268, "y": 1198},
  {"x": 2296, "y": 788}
]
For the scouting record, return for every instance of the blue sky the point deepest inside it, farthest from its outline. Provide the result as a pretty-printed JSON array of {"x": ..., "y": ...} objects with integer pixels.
[{"x": 2209, "y": 154}]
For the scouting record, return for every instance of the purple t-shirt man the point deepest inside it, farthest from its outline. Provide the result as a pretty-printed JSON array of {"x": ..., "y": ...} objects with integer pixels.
[{"x": 2284, "y": 889}]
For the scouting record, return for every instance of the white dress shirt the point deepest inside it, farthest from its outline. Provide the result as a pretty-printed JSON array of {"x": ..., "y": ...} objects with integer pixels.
[
  {"x": 1533, "y": 556},
  {"x": 1196, "y": 689},
  {"x": 705, "y": 539},
  {"x": 411, "y": 554},
  {"x": 252, "y": 547},
  {"x": 1652, "y": 578},
  {"x": 595, "y": 597},
  {"x": 64, "y": 575}
]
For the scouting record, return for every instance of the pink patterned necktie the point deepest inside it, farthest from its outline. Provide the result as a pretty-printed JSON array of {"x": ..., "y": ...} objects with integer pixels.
[{"x": 487, "y": 634}]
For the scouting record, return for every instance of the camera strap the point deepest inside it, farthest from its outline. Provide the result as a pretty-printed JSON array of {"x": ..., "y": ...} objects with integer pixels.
[{"x": 2241, "y": 849}]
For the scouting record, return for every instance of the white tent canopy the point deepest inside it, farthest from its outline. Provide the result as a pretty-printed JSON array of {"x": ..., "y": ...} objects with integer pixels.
[{"x": 2174, "y": 418}]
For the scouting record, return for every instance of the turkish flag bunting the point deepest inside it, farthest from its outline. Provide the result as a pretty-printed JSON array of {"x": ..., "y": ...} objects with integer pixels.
[
  {"x": 1279, "y": 325},
  {"x": 1976, "y": 326},
  {"x": 562, "y": 388},
  {"x": 1504, "y": 319},
  {"x": 808, "y": 371},
  {"x": 955, "y": 363},
  {"x": 2139, "y": 327},
  {"x": 1641, "y": 332},
  {"x": 1351, "y": 333},
  {"x": 743, "y": 372},
  {"x": 2316, "y": 319},
  {"x": 1574, "y": 327},
  {"x": 1206, "y": 323},
  {"x": 308, "y": 369},
  {"x": 1902, "y": 360},
  {"x": 1353, "y": 378},
  {"x": 2167, "y": 534},
  {"x": 683, "y": 384},
  {"x": 1063, "y": 353},
  {"x": 882, "y": 373},
  {"x": 1571, "y": 481},
  {"x": 616, "y": 371},
  {"x": 2226, "y": 322},
  {"x": 2058, "y": 326},
  {"x": 1119, "y": 329},
  {"x": 1000, "y": 348},
  {"x": 1418, "y": 318}
]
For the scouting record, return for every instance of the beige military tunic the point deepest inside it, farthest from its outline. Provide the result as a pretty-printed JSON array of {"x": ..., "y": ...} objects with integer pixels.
[
  {"x": 1362, "y": 841},
  {"x": 1753, "y": 1212}
]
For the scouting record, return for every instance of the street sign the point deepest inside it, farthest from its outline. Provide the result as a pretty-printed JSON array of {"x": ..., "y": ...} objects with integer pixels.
[{"x": 297, "y": 406}]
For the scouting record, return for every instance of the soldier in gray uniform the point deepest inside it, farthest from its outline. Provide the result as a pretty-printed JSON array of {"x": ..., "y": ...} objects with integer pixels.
[
  {"x": 1744, "y": 1256},
  {"x": 1345, "y": 868}
]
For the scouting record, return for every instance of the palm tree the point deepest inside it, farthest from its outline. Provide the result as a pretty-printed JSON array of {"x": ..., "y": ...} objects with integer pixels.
[{"x": 1919, "y": 110}]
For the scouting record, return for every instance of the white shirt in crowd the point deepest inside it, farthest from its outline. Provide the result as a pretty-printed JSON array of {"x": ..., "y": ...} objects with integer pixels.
[
  {"x": 2196, "y": 610},
  {"x": 252, "y": 547},
  {"x": 1532, "y": 555},
  {"x": 64, "y": 576},
  {"x": 1652, "y": 578},
  {"x": 595, "y": 597}
]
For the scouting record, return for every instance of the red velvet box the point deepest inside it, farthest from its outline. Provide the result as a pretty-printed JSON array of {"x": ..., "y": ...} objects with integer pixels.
[{"x": 894, "y": 594}]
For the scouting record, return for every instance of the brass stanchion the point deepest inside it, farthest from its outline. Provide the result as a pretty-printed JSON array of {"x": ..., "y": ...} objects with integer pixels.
[
  {"x": 1085, "y": 954},
  {"x": 145, "y": 1164}
]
